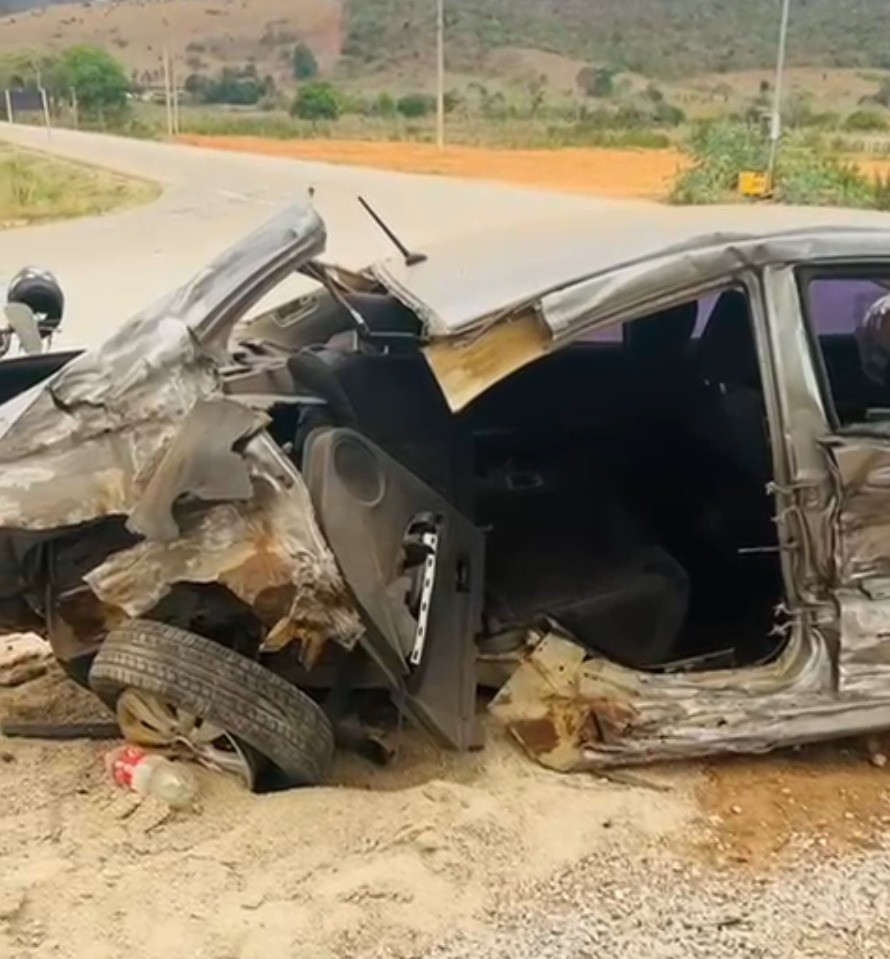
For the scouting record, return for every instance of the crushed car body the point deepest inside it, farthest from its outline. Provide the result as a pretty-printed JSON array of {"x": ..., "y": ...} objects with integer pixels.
[
  {"x": 647, "y": 473},
  {"x": 143, "y": 423}
]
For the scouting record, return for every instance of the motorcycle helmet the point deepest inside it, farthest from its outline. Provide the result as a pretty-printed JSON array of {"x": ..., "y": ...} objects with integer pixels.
[{"x": 39, "y": 290}]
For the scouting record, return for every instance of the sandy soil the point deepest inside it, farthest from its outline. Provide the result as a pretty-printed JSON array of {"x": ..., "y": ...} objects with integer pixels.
[
  {"x": 389, "y": 857},
  {"x": 601, "y": 172},
  {"x": 615, "y": 173},
  {"x": 383, "y": 861}
]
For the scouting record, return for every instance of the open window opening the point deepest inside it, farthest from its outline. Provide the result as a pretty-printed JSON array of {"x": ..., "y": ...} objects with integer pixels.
[
  {"x": 623, "y": 486},
  {"x": 847, "y": 311}
]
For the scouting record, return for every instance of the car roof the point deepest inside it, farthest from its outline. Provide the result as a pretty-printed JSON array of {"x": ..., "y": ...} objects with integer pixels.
[{"x": 468, "y": 280}]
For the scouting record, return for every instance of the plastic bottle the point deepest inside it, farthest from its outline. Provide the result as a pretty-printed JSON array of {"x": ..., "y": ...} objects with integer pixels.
[{"x": 149, "y": 774}]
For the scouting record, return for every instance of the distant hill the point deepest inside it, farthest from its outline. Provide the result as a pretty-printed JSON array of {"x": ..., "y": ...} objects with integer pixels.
[
  {"x": 652, "y": 37},
  {"x": 656, "y": 38}
]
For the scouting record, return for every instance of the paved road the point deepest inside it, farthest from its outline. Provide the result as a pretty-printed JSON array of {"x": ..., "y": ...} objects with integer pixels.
[{"x": 113, "y": 265}]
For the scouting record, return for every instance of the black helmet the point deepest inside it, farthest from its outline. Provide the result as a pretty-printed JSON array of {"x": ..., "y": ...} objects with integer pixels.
[{"x": 41, "y": 291}]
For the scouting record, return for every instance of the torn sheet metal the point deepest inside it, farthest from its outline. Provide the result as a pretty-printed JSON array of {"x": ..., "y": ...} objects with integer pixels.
[
  {"x": 571, "y": 711},
  {"x": 465, "y": 368},
  {"x": 862, "y": 468},
  {"x": 266, "y": 550},
  {"x": 140, "y": 428},
  {"x": 202, "y": 462}
]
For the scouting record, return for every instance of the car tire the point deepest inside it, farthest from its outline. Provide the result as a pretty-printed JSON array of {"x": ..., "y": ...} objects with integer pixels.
[{"x": 252, "y": 704}]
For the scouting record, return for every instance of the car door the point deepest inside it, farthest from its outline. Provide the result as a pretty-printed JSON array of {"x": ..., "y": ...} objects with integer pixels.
[
  {"x": 856, "y": 445},
  {"x": 414, "y": 564}
]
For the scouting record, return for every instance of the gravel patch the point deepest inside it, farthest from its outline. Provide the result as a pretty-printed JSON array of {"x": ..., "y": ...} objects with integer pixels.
[{"x": 656, "y": 907}]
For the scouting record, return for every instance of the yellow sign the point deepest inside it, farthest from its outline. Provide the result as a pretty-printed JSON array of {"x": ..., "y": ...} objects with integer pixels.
[{"x": 753, "y": 184}]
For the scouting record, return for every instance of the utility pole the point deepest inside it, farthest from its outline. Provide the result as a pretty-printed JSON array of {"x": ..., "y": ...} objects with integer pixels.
[
  {"x": 775, "y": 132},
  {"x": 440, "y": 74},
  {"x": 175, "y": 85},
  {"x": 168, "y": 102}
]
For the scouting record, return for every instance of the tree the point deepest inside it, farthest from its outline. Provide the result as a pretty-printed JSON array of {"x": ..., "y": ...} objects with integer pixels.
[
  {"x": 317, "y": 101},
  {"x": 415, "y": 105},
  {"x": 385, "y": 105},
  {"x": 237, "y": 86},
  {"x": 98, "y": 80},
  {"x": 304, "y": 64},
  {"x": 596, "y": 81}
]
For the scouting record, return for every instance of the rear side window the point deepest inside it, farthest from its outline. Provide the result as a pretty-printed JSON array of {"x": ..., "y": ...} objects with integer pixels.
[
  {"x": 615, "y": 334},
  {"x": 835, "y": 305}
]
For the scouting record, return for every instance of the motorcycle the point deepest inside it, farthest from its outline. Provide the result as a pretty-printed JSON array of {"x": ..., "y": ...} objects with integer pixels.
[{"x": 35, "y": 304}]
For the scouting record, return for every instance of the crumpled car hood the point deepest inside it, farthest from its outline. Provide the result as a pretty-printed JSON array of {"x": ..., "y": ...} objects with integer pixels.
[{"x": 140, "y": 428}]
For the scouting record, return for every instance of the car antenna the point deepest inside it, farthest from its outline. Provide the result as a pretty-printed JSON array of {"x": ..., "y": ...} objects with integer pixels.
[{"x": 411, "y": 259}]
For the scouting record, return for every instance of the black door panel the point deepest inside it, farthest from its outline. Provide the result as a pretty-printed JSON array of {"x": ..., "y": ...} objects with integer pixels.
[{"x": 410, "y": 558}]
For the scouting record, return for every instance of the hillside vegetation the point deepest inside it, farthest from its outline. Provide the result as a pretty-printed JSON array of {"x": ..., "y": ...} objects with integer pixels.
[
  {"x": 656, "y": 38},
  {"x": 652, "y": 37}
]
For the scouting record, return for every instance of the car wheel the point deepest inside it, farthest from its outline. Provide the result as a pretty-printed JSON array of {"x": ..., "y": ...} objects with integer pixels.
[{"x": 170, "y": 687}]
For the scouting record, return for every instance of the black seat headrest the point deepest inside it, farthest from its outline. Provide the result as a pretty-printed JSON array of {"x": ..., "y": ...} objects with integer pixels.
[
  {"x": 662, "y": 336},
  {"x": 727, "y": 352}
]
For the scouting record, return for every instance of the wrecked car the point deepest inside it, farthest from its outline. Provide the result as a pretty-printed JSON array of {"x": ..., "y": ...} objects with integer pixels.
[{"x": 633, "y": 477}]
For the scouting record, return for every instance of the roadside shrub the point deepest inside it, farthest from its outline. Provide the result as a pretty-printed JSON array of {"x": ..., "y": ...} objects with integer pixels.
[
  {"x": 596, "y": 82},
  {"x": 303, "y": 62},
  {"x": 384, "y": 105},
  {"x": 882, "y": 192},
  {"x": 804, "y": 179},
  {"x": 236, "y": 86},
  {"x": 317, "y": 101},
  {"x": 866, "y": 121},
  {"x": 806, "y": 174},
  {"x": 414, "y": 105},
  {"x": 720, "y": 152}
]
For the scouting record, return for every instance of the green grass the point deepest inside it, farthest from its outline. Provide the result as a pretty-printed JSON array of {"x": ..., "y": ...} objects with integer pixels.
[
  {"x": 35, "y": 188},
  {"x": 808, "y": 172}
]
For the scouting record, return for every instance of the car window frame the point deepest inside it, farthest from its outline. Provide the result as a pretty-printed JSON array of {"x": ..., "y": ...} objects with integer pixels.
[{"x": 866, "y": 269}]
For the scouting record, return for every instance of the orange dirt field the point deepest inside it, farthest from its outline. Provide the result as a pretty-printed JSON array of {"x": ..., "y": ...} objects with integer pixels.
[{"x": 644, "y": 174}]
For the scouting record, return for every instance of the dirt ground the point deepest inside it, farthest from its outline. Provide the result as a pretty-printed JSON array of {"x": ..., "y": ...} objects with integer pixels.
[
  {"x": 645, "y": 174},
  {"x": 382, "y": 861},
  {"x": 597, "y": 171},
  {"x": 383, "y": 856}
]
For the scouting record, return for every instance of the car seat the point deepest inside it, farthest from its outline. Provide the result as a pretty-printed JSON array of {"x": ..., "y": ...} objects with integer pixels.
[{"x": 393, "y": 399}]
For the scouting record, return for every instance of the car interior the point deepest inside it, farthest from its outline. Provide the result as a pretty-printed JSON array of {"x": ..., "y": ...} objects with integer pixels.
[
  {"x": 624, "y": 489},
  {"x": 621, "y": 482}
]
